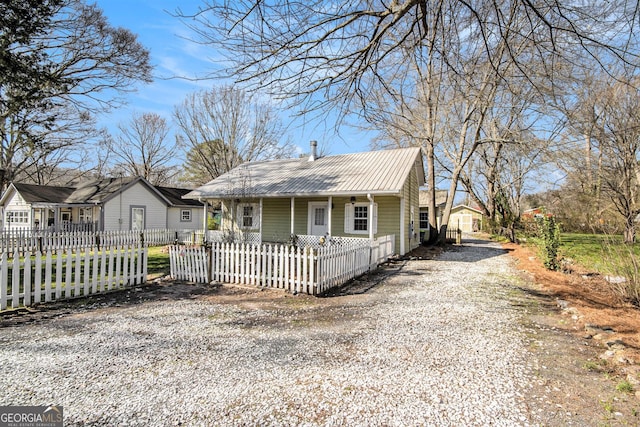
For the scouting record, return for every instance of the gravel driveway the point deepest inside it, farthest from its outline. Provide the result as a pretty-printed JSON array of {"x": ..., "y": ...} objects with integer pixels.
[{"x": 436, "y": 343}]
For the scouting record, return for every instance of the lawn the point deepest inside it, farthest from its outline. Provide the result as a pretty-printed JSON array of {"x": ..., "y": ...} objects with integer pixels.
[
  {"x": 598, "y": 252},
  {"x": 158, "y": 262}
]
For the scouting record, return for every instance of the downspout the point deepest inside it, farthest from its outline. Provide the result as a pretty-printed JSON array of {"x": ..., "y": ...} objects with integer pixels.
[
  {"x": 371, "y": 209},
  {"x": 402, "y": 235}
]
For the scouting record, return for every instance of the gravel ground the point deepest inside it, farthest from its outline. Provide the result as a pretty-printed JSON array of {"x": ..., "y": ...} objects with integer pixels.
[{"x": 437, "y": 343}]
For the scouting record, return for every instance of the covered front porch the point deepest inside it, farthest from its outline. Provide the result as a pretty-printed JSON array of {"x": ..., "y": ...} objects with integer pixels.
[
  {"x": 52, "y": 218},
  {"x": 312, "y": 221}
]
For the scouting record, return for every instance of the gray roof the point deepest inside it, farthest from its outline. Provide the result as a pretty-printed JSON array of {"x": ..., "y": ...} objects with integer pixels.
[
  {"x": 33, "y": 193},
  {"x": 95, "y": 192},
  {"x": 174, "y": 196},
  {"x": 101, "y": 190},
  {"x": 375, "y": 172}
]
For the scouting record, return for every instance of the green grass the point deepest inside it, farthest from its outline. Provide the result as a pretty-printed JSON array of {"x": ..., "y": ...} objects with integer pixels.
[
  {"x": 624, "y": 386},
  {"x": 597, "y": 252},
  {"x": 158, "y": 262}
]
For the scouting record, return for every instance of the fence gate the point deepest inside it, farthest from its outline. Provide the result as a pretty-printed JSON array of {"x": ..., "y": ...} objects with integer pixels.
[{"x": 189, "y": 263}]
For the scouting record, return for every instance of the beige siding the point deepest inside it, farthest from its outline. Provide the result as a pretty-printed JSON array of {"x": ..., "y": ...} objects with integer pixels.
[
  {"x": 388, "y": 217},
  {"x": 117, "y": 211},
  {"x": 411, "y": 192},
  {"x": 276, "y": 220}
]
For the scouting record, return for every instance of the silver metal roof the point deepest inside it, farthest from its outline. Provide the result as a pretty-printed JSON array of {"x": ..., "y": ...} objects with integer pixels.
[{"x": 375, "y": 172}]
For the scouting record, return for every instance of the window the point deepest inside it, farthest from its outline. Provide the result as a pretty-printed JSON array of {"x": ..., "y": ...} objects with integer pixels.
[
  {"x": 360, "y": 218},
  {"x": 320, "y": 214},
  {"x": 86, "y": 215},
  {"x": 137, "y": 218},
  {"x": 424, "y": 220},
  {"x": 357, "y": 217},
  {"x": 185, "y": 215},
  {"x": 248, "y": 216},
  {"x": 18, "y": 217}
]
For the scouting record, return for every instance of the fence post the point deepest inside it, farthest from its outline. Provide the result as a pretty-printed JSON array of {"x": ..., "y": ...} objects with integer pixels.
[
  {"x": 208, "y": 253},
  {"x": 458, "y": 236}
]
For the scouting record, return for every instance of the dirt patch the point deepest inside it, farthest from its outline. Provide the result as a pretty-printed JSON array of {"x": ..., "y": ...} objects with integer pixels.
[{"x": 585, "y": 342}]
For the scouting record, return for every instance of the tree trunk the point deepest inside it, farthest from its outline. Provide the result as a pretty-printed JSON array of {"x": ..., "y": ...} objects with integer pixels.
[
  {"x": 630, "y": 230},
  {"x": 431, "y": 185}
]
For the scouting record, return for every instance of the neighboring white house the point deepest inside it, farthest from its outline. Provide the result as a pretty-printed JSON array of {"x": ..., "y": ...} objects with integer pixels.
[{"x": 126, "y": 203}]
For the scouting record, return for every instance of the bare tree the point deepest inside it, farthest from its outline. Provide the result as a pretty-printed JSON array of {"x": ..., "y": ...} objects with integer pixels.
[
  {"x": 300, "y": 49},
  {"x": 359, "y": 56},
  {"x": 141, "y": 149},
  {"x": 62, "y": 63},
  {"x": 224, "y": 127},
  {"x": 342, "y": 55},
  {"x": 620, "y": 146}
]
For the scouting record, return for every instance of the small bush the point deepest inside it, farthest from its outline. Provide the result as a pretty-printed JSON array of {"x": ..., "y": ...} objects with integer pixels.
[{"x": 549, "y": 232}]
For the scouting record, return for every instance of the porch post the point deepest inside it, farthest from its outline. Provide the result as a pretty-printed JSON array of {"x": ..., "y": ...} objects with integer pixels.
[
  {"x": 56, "y": 219},
  {"x": 293, "y": 214},
  {"x": 260, "y": 220},
  {"x": 330, "y": 208},
  {"x": 205, "y": 219}
]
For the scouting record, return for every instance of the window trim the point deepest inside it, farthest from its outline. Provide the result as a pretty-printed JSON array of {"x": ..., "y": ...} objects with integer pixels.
[
  {"x": 11, "y": 216},
  {"x": 132, "y": 208},
  {"x": 182, "y": 215},
  {"x": 350, "y": 219},
  {"x": 255, "y": 216},
  {"x": 420, "y": 220}
]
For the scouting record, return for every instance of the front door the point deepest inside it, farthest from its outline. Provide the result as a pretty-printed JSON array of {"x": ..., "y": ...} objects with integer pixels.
[{"x": 318, "y": 219}]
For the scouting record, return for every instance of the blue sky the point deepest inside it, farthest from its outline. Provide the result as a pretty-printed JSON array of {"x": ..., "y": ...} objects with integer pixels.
[{"x": 174, "y": 56}]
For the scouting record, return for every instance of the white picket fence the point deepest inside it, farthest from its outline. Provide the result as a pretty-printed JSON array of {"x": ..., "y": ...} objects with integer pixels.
[
  {"x": 28, "y": 240},
  {"x": 55, "y": 275},
  {"x": 292, "y": 268}
]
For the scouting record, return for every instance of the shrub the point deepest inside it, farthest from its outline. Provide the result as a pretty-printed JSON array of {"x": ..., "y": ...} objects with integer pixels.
[{"x": 549, "y": 232}]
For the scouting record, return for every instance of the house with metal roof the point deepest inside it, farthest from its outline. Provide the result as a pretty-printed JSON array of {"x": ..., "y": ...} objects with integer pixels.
[
  {"x": 367, "y": 195},
  {"x": 123, "y": 203}
]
